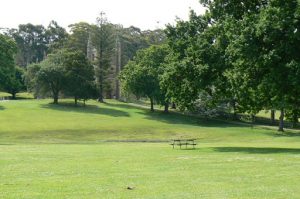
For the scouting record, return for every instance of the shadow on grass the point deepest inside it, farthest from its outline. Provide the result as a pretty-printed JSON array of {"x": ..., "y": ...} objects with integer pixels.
[
  {"x": 287, "y": 134},
  {"x": 90, "y": 109},
  {"x": 177, "y": 118},
  {"x": 1, "y": 108},
  {"x": 256, "y": 150},
  {"x": 125, "y": 106}
]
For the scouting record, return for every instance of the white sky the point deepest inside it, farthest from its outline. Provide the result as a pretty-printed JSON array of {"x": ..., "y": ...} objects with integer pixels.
[{"x": 141, "y": 13}]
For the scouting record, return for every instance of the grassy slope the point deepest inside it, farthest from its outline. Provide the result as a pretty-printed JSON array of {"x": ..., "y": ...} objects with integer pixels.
[
  {"x": 41, "y": 122},
  {"x": 49, "y": 151}
]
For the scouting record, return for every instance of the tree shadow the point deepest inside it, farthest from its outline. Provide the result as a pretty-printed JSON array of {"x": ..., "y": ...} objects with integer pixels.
[
  {"x": 256, "y": 150},
  {"x": 178, "y": 118},
  {"x": 90, "y": 109},
  {"x": 2, "y": 108},
  {"x": 286, "y": 133},
  {"x": 124, "y": 105}
]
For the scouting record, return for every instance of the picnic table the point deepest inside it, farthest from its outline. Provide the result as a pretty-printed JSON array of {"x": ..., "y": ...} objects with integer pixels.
[{"x": 184, "y": 142}]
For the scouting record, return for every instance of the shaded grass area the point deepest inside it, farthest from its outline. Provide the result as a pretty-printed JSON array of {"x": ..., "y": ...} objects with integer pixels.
[
  {"x": 258, "y": 150},
  {"x": 87, "y": 109}
]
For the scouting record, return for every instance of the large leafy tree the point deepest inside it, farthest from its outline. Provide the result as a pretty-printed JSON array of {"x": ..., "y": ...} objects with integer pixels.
[
  {"x": 79, "y": 76},
  {"x": 66, "y": 71},
  {"x": 266, "y": 54},
  {"x": 245, "y": 52},
  {"x": 189, "y": 73},
  {"x": 141, "y": 76},
  {"x": 14, "y": 83},
  {"x": 51, "y": 76},
  {"x": 7, "y": 63},
  {"x": 34, "y": 42},
  {"x": 79, "y": 37},
  {"x": 56, "y": 37},
  {"x": 31, "y": 42}
]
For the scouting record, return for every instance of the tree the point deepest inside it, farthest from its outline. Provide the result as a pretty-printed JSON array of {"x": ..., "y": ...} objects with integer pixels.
[
  {"x": 79, "y": 37},
  {"x": 7, "y": 64},
  {"x": 66, "y": 71},
  {"x": 14, "y": 83},
  {"x": 31, "y": 43},
  {"x": 56, "y": 37},
  {"x": 142, "y": 75},
  {"x": 31, "y": 79},
  {"x": 51, "y": 76},
  {"x": 192, "y": 54},
  {"x": 266, "y": 51},
  {"x": 34, "y": 42},
  {"x": 79, "y": 76},
  {"x": 103, "y": 40}
]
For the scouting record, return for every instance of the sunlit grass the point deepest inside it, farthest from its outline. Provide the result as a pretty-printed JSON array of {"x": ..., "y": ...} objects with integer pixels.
[{"x": 63, "y": 151}]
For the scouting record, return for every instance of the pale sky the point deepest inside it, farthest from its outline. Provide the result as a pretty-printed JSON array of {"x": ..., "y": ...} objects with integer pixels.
[{"x": 144, "y": 14}]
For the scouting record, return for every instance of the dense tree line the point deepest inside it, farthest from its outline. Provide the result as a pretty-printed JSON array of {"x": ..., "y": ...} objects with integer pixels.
[
  {"x": 245, "y": 54},
  {"x": 39, "y": 55},
  {"x": 240, "y": 54}
]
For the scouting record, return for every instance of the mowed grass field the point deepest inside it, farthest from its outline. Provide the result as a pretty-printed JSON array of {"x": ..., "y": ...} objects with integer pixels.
[{"x": 97, "y": 151}]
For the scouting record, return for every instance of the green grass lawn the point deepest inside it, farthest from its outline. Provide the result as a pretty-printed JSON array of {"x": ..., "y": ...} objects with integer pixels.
[{"x": 62, "y": 151}]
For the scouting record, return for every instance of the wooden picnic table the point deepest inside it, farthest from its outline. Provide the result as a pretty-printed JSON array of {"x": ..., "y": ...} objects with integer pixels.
[{"x": 186, "y": 142}]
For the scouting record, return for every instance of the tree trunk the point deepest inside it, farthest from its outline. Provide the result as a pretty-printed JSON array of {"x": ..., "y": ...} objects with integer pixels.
[
  {"x": 166, "y": 107},
  {"x": 13, "y": 96},
  {"x": 173, "y": 105},
  {"x": 253, "y": 118},
  {"x": 233, "y": 103},
  {"x": 55, "y": 99},
  {"x": 118, "y": 68},
  {"x": 152, "y": 104},
  {"x": 100, "y": 99},
  {"x": 76, "y": 101},
  {"x": 273, "y": 117},
  {"x": 281, "y": 123},
  {"x": 295, "y": 119}
]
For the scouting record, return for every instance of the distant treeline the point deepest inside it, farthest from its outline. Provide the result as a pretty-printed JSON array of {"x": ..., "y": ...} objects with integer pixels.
[{"x": 106, "y": 47}]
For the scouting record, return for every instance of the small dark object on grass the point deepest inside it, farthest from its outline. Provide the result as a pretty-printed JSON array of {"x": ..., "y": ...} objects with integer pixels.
[{"x": 130, "y": 188}]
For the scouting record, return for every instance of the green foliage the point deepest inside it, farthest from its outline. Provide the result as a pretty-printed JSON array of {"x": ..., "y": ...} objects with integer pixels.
[
  {"x": 79, "y": 74},
  {"x": 31, "y": 79},
  {"x": 51, "y": 76},
  {"x": 7, "y": 64},
  {"x": 190, "y": 68},
  {"x": 220, "y": 9},
  {"x": 78, "y": 39},
  {"x": 31, "y": 43},
  {"x": 264, "y": 54},
  {"x": 243, "y": 53},
  {"x": 65, "y": 71},
  {"x": 103, "y": 39},
  {"x": 142, "y": 75},
  {"x": 56, "y": 37},
  {"x": 34, "y": 42},
  {"x": 14, "y": 83}
]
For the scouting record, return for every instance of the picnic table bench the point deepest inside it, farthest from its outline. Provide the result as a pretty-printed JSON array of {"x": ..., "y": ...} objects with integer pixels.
[{"x": 184, "y": 142}]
